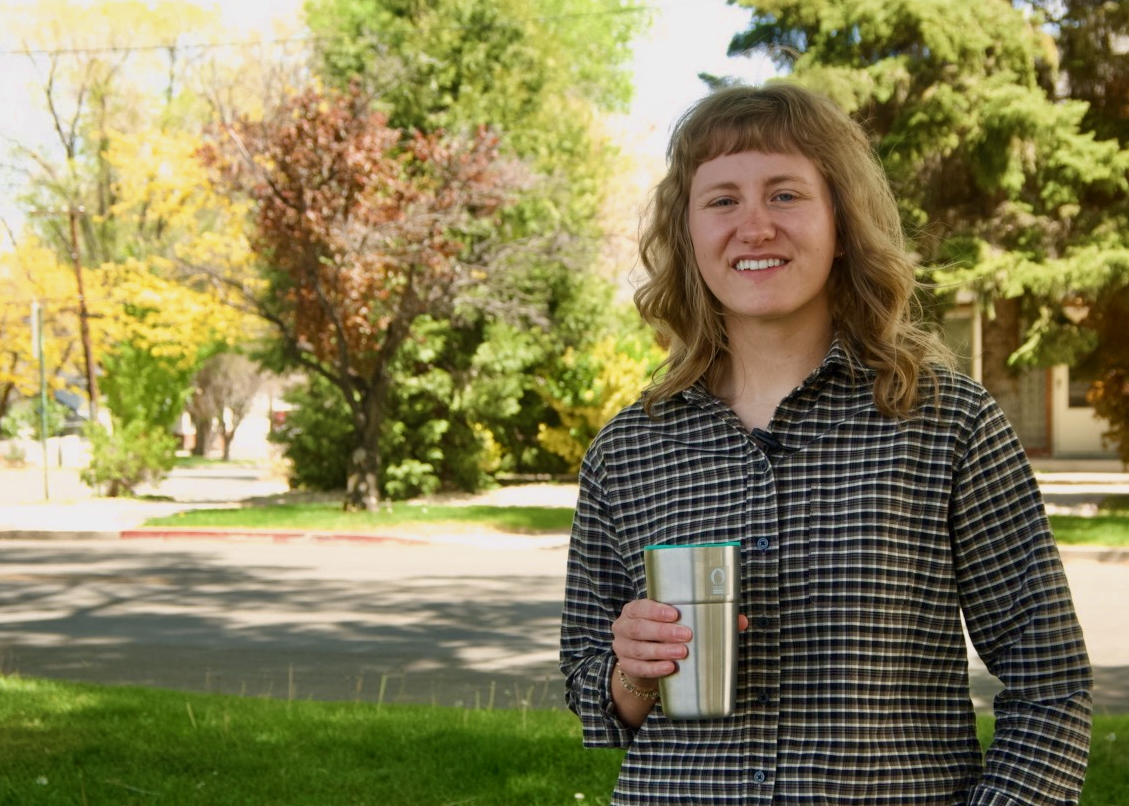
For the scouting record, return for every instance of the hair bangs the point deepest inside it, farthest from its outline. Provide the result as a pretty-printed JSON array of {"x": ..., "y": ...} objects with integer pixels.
[{"x": 733, "y": 132}]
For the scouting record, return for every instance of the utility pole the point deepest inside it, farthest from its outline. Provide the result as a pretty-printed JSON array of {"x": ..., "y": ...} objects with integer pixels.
[
  {"x": 37, "y": 349},
  {"x": 83, "y": 314},
  {"x": 74, "y": 213}
]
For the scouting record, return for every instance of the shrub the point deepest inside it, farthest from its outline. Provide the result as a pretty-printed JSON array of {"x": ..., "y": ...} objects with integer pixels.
[
  {"x": 316, "y": 435},
  {"x": 129, "y": 455}
]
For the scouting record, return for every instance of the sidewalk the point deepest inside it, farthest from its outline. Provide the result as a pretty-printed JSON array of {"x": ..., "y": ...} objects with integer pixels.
[
  {"x": 62, "y": 506},
  {"x": 73, "y": 512}
]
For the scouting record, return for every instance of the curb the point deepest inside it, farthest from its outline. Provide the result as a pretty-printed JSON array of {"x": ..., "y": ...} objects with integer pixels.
[
  {"x": 56, "y": 534},
  {"x": 264, "y": 535}
]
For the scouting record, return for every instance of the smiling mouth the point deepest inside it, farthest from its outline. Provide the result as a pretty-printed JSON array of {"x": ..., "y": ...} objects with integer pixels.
[{"x": 759, "y": 265}]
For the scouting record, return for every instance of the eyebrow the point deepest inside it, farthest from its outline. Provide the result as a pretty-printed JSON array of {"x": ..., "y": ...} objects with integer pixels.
[{"x": 772, "y": 181}]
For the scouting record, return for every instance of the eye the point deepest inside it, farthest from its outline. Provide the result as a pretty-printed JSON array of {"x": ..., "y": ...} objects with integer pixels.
[
  {"x": 724, "y": 201},
  {"x": 785, "y": 196}
]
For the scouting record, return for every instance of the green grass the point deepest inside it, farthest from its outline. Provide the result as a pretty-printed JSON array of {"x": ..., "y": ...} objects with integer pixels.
[
  {"x": 1105, "y": 529},
  {"x": 1099, "y": 530},
  {"x": 203, "y": 461},
  {"x": 70, "y": 743},
  {"x": 66, "y": 743},
  {"x": 331, "y": 518}
]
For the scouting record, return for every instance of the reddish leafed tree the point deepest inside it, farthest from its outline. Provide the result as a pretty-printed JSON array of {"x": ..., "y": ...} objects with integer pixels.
[{"x": 360, "y": 228}]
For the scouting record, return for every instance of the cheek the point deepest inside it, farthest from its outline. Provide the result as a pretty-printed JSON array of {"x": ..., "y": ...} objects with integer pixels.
[{"x": 703, "y": 237}]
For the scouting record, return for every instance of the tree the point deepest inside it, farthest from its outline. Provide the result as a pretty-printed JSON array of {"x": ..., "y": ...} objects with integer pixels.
[
  {"x": 597, "y": 385},
  {"x": 31, "y": 273},
  {"x": 541, "y": 73},
  {"x": 225, "y": 389},
  {"x": 1093, "y": 45},
  {"x": 159, "y": 331},
  {"x": 361, "y": 228},
  {"x": 1008, "y": 188},
  {"x": 1109, "y": 366},
  {"x": 87, "y": 91},
  {"x": 1093, "y": 42}
]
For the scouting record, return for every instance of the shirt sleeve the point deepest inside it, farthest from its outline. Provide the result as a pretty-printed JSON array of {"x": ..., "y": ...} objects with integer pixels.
[
  {"x": 596, "y": 589},
  {"x": 1020, "y": 617}
]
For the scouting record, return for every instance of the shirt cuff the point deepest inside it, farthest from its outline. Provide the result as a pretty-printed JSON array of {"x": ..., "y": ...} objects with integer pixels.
[{"x": 601, "y": 724}]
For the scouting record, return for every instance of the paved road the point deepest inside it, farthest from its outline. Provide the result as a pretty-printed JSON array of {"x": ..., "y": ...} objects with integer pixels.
[
  {"x": 449, "y": 622},
  {"x": 461, "y": 619},
  {"x": 454, "y": 622}
]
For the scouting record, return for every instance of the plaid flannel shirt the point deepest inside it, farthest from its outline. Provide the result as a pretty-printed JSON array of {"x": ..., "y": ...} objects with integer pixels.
[{"x": 864, "y": 539}]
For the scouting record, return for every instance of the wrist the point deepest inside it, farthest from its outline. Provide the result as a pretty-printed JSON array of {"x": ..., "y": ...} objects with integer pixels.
[{"x": 637, "y": 688}]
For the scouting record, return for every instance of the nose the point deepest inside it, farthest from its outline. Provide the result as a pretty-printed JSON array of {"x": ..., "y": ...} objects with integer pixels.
[{"x": 755, "y": 225}]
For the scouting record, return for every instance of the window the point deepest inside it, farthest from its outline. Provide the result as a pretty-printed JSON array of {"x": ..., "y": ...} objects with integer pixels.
[{"x": 1078, "y": 383}]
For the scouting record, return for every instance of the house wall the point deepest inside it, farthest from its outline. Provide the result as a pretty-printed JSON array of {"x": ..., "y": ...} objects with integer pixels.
[
  {"x": 1027, "y": 405},
  {"x": 1037, "y": 402},
  {"x": 1077, "y": 430}
]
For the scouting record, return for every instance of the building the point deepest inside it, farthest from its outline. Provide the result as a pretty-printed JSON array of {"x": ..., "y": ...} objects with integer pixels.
[{"x": 1047, "y": 407}]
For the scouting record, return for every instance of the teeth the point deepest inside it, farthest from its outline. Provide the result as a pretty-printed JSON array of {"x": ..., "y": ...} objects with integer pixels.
[{"x": 757, "y": 265}]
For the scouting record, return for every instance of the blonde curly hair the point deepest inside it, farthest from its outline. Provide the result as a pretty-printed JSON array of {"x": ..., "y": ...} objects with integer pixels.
[{"x": 871, "y": 285}]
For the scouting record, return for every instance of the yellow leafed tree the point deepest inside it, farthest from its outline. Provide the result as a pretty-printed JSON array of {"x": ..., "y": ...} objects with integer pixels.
[
  {"x": 596, "y": 386},
  {"x": 31, "y": 273},
  {"x": 166, "y": 308}
]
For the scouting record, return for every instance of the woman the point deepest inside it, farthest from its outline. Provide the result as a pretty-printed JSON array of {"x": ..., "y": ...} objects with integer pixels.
[{"x": 877, "y": 496}]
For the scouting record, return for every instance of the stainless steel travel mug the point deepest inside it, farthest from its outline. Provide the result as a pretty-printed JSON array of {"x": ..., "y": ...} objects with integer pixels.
[{"x": 703, "y": 583}]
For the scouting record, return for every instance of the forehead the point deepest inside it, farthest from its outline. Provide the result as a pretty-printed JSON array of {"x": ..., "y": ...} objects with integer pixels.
[{"x": 757, "y": 166}]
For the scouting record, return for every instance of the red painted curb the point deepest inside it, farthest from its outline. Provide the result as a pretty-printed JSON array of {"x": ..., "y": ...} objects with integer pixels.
[{"x": 274, "y": 536}]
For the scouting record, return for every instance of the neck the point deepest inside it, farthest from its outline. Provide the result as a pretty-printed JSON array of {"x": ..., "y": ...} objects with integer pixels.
[{"x": 765, "y": 364}]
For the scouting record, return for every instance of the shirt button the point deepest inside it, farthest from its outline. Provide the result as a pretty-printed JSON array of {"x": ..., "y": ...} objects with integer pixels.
[
  {"x": 762, "y": 544},
  {"x": 763, "y": 622},
  {"x": 758, "y": 777},
  {"x": 762, "y": 697}
]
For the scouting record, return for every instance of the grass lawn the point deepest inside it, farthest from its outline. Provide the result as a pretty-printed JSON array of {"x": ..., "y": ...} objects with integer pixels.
[
  {"x": 202, "y": 461},
  {"x": 331, "y": 518},
  {"x": 70, "y": 743},
  {"x": 1108, "y": 528},
  {"x": 1099, "y": 530}
]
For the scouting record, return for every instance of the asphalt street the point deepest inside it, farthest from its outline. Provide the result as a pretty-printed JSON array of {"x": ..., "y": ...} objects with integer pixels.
[
  {"x": 446, "y": 622},
  {"x": 467, "y": 618}
]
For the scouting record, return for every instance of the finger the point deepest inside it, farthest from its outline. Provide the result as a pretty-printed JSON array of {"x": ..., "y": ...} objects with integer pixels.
[
  {"x": 636, "y": 628},
  {"x": 630, "y": 649},
  {"x": 742, "y": 623},
  {"x": 650, "y": 610},
  {"x": 643, "y": 670}
]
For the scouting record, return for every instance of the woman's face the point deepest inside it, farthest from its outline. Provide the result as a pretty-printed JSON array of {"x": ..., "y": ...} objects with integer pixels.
[{"x": 763, "y": 230}]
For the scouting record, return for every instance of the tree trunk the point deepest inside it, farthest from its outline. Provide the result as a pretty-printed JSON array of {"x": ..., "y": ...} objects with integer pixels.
[
  {"x": 1001, "y": 338},
  {"x": 362, "y": 491},
  {"x": 203, "y": 428}
]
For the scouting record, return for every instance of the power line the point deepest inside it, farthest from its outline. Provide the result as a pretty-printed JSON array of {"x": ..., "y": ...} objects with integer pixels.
[
  {"x": 247, "y": 43},
  {"x": 250, "y": 43}
]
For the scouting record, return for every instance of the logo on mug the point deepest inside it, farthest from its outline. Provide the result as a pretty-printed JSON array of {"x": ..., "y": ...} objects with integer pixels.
[{"x": 717, "y": 578}]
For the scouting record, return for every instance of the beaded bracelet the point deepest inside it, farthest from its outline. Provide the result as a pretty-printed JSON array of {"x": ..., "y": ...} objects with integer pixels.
[{"x": 641, "y": 693}]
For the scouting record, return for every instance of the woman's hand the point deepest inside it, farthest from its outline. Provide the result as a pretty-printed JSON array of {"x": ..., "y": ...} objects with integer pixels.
[
  {"x": 648, "y": 645},
  {"x": 647, "y": 641}
]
